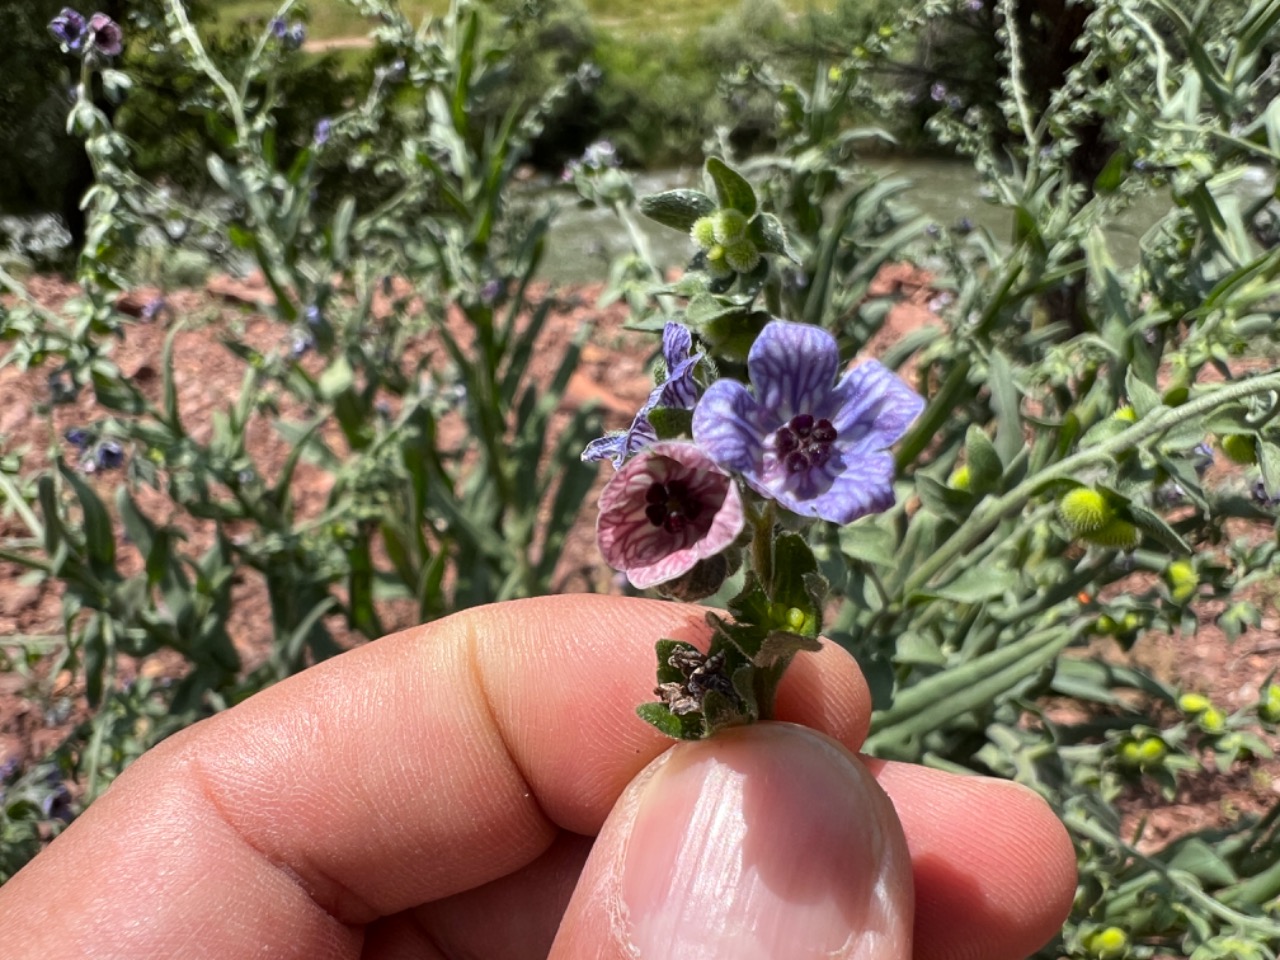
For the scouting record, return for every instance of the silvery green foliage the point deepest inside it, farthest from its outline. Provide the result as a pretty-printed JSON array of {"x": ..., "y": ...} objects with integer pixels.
[
  {"x": 409, "y": 516},
  {"x": 1069, "y": 359}
]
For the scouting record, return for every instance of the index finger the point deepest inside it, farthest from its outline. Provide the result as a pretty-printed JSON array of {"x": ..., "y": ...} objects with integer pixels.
[{"x": 410, "y": 769}]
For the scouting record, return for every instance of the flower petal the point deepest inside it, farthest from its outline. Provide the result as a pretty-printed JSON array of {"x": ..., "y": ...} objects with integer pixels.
[
  {"x": 649, "y": 553},
  {"x": 872, "y": 407},
  {"x": 863, "y": 485},
  {"x": 792, "y": 367},
  {"x": 730, "y": 426},
  {"x": 676, "y": 344}
]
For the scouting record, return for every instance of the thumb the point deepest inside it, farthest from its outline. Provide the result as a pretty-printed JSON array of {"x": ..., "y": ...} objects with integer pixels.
[{"x": 768, "y": 841}]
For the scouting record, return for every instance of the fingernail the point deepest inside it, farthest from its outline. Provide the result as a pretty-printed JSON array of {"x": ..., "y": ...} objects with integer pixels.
[{"x": 770, "y": 841}]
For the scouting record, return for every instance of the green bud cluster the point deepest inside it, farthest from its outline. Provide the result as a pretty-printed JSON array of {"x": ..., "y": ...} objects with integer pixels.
[
  {"x": 1109, "y": 943},
  {"x": 724, "y": 237},
  {"x": 1142, "y": 752}
]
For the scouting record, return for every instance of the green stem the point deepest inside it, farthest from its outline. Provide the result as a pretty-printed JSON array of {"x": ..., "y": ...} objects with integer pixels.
[
  {"x": 762, "y": 546},
  {"x": 983, "y": 520}
]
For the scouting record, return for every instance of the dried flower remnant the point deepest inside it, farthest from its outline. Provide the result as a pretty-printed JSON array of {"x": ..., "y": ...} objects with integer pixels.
[
  {"x": 679, "y": 392},
  {"x": 701, "y": 675},
  {"x": 664, "y": 511},
  {"x": 818, "y": 448}
]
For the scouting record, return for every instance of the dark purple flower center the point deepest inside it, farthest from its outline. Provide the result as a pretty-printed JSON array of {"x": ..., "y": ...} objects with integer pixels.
[
  {"x": 803, "y": 443},
  {"x": 671, "y": 505}
]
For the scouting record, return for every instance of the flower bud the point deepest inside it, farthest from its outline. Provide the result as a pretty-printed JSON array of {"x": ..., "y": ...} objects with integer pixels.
[
  {"x": 1182, "y": 580},
  {"x": 1109, "y": 943},
  {"x": 1085, "y": 510},
  {"x": 1194, "y": 703},
  {"x": 1240, "y": 448},
  {"x": 717, "y": 265},
  {"x": 959, "y": 479},
  {"x": 1126, "y": 413}
]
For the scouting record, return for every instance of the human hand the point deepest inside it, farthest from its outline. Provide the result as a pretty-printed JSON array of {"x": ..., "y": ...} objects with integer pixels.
[{"x": 434, "y": 795}]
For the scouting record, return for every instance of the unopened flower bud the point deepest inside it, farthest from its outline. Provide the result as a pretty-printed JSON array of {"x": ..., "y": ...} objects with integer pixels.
[
  {"x": 1182, "y": 580},
  {"x": 1127, "y": 414},
  {"x": 1269, "y": 706},
  {"x": 1194, "y": 703},
  {"x": 1110, "y": 943},
  {"x": 959, "y": 479}
]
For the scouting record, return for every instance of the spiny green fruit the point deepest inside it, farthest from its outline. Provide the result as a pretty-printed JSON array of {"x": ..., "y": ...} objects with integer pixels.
[
  {"x": 1116, "y": 534},
  {"x": 1213, "y": 721},
  {"x": 959, "y": 479},
  {"x": 1085, "y": 510},
  {"x": 704, "y": 232},
  {"x": 1240, "y": 448},
  {"x": 730, "y": 225},
  {"x": 1109, "y": 943},
  {"x": 742, "y": 256},
  {"x": 1182, "y": 579},
  {"x": 1194, "y": 703},
  {"x": 717, "y": 264},
  {"x": 1151, "y": 751}
]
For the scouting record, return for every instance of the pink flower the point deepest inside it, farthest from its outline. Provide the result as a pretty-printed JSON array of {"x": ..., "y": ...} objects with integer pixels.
[{"x": 666, "y": 509}]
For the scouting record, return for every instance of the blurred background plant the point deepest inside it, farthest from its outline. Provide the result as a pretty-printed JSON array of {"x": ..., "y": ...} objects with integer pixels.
[{"x": 1063, "y": 495}]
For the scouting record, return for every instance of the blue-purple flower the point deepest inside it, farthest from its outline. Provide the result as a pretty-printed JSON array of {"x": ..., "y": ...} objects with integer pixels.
[
  {"x": 678, "y": 392},
  {"x": 817, "y": 447},
  {"x": 68, "y": 28},
  {"x": 665, "y": 511},
  {"x": 324, "y": 128}
]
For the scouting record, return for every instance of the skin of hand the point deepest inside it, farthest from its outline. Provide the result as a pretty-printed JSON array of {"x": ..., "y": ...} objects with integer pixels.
[{"x": 481, "y": 788}]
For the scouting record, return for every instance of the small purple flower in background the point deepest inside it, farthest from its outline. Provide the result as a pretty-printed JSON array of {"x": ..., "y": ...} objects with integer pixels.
[
  {"x": 666, "y": 510},
  {"x": 819, "y": 448},
  {"x": 279, "y": 29},
  {"x": 300, "y": 342},
  {"x": 108, "y": 456},
  {"x": 108, "y": 39},
  {"x": 679, "y": 391},
  {"x": 312, "y": 316},
  {"x": 68, "y": 28},
  {"x": 1202, "y": 458},
  {"x": 297, "y": 36},
  {"x": 152, "y": 309},
  {"x": 324, "y": 127},
  {"x": 938, "y": 92},
  {"x": 491, "y": 291},
  {"x": 78, "y": 438}
]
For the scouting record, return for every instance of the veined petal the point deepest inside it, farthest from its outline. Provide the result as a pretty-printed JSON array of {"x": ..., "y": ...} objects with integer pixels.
[
  {"x": 730, "y": 426},
  {"x": 679, "y": 390},
  {"x": 871, "y": 407},
  {"x": 863, "y": 485},
  {"x": 676, "y": 344},
  {"x": 792, "y": 367}
]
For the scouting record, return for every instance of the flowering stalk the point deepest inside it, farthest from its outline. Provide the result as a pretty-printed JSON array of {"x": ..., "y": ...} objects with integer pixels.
[{"x": 792, "y": 445}]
